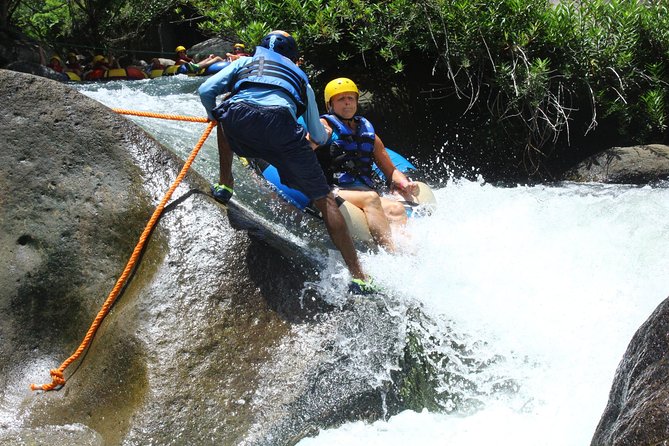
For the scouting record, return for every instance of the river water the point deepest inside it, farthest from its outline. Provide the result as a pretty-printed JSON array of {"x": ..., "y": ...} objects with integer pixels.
[{"x": 537, "y": 289}]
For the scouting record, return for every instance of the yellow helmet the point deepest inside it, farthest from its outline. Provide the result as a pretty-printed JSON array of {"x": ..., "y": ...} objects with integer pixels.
[
  {"x": 55, "y": 56},
  {"x": 180, "y": 48},
  {"x": 339, "y": 85},
  {"x": 238, "y": 45},
  {"x": 98, "y": 58}
]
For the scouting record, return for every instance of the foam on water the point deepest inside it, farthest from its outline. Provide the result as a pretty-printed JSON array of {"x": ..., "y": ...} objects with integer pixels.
[
  {"x": 545, "y": 285},
  {"x": 555, "y": 280}
]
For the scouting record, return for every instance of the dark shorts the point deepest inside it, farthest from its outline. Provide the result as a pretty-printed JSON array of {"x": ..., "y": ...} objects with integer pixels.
[{"x": 272, "y": 134}]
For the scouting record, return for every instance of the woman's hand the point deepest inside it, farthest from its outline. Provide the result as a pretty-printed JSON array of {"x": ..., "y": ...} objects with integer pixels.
[{"x": 405, "y": 187}]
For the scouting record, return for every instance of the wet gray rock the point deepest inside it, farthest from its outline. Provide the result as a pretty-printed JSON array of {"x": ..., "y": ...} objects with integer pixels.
[
  {"x": 37, "y": 69},
  {"x": 624, "y": 165},
  {"x": 75, "y": 434},
  {"x": 211, "y": 341},
  {"x": 637, "y": 412},
  {"x": 21, "y": 53},
  {"x": 215, "y": 45},
  {"x": 15, "y": 46}
]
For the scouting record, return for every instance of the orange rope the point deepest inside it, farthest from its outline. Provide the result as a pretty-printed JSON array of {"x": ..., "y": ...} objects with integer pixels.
[
  {"x": 160, "y": 115},
  {"x": 57, "y": 374}
]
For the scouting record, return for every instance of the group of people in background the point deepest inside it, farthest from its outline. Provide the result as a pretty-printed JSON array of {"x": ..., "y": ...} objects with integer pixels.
[
  {"x": 195, "y": 64},
  {"x": 72, "y": 63},
  {"x": 83, "y": 67},
  {"x": 94, "y": 66}
]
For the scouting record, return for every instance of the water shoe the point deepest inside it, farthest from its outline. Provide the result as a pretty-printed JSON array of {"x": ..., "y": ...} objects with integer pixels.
[
  {"x": 221, "y": 193},
  {"x": 361, "y": 287}
]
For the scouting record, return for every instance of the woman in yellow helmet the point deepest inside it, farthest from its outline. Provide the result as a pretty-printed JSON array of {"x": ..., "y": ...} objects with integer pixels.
[
  {"x": 99, "y": 66},
  {"x": 182, "y": 57},
  {"x": 347, "y": 160},
  {"x": 238, "y": 50},
  {"x": 56, "y": 63},
  {"x": 189, "y": 65}
]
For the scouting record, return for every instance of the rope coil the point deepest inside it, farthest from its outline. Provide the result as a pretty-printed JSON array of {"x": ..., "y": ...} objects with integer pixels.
[{"x": 57, "y": 375}]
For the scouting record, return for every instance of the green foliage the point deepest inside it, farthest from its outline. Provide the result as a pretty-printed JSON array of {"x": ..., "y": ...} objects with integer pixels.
[
  {"x": 43, "y": 19},
  {"x": 419, "y": 381},
  {"x": 530, "y": 76},
  {"x": 527, "y": 66},
  {"x": 100, "y": 22}
]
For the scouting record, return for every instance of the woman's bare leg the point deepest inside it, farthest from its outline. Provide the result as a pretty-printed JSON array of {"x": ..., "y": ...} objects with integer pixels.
[{"x": 370, "y": 203}]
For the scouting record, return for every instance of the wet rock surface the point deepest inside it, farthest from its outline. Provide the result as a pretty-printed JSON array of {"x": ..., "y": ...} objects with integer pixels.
[
  {"x": 624, "y": 165},
  {"x": 210, "y": 342},
  {"x": 636, "y": 413}
]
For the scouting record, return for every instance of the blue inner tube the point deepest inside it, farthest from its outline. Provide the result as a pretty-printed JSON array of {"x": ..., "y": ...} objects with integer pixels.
[
  {"x": 297, "y": 198},
  {"x": 216, "y": 67}
]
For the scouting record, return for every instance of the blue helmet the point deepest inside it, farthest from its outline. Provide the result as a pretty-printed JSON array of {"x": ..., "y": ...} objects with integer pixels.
[{"x": 281, "y": 42}]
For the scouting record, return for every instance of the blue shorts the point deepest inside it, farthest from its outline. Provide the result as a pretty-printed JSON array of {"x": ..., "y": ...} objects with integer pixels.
[{"x": 272, "y": 134}]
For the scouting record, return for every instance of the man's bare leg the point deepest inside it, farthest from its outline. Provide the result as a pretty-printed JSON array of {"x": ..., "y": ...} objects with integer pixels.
[
  {"x": 339, "y": 234},
  {"x": 225, "y": 155}
]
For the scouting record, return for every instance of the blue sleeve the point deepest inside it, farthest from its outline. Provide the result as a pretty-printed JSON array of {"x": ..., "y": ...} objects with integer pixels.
[
  {"x": 312, "y": 119},
  {"x": 217, "y": 85}
]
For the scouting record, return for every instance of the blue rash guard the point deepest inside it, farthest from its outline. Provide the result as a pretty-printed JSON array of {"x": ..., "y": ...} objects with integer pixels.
[
  {"x": 259, "y": 119},
  {"x": 221, "y": 83}
]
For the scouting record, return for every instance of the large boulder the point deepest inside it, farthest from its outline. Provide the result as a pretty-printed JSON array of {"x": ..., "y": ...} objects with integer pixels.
[
  {"x": 215, "y": 45},
  {"x": 15, "y": 46},
  {"x": 211, "y": 342},
  {"x": 638, "y": 409},
  {"x": 624, "y": 165},
  {"x": 21, "y": 53}
]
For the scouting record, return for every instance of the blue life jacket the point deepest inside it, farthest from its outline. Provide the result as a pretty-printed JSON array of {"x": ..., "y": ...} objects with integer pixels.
[
  {"x": 275, "y": 71},
  {"x": 351, "y": 155}
]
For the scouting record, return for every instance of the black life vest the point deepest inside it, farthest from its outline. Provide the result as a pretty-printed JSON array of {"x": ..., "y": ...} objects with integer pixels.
[{"x": 351, "y": 155}]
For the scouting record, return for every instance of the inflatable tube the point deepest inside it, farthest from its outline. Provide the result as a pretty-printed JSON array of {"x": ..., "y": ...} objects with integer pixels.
[
  {"x": 355, "y": 221},
  {"x": 135, "y": 73},
  {"x": 116, "y": 74},
  {"x": 124, "y": 74},
  {"x": 215, "y": 67},
  {"x": 172, "y": 69},
  {"x": 269, "y": 172},
  {"x": 425, "y": 194},
  {"x": 95, "y": 74},
  {"x": 182, "y": 69},
  {"x": 72, "y": 76},
  {"x": 354, "y": 216},
  {"x": 402, "y": 164},
  {"x": 156, "y": 73}
]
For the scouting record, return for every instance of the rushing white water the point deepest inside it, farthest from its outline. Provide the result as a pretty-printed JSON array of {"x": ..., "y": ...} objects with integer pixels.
[{"x": 544, "y": 285}]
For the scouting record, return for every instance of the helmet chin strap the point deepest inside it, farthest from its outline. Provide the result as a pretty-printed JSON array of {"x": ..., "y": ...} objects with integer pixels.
[{"x": 347, "y": 121}]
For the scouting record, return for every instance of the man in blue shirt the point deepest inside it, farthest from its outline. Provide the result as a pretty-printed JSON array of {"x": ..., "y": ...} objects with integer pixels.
[{"x": 267, "y": 93}]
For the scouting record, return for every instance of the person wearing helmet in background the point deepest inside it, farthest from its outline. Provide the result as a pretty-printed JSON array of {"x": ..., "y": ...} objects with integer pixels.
[
  {"x": 238, "y": 50},
  {"x": 192, "y": 66},
  {"x": 347, "y": 160},
  {"x": 258, "y": 119},
  {"x": 182, "y": 57},
  {"x": 56, "y": 64},
  {"x": 99, "y": 67},
  {"x": 72, "y": 64}
]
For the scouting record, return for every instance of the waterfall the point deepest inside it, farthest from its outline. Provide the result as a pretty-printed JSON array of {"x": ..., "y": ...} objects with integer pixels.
[{"x": 529, "y": 295}]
